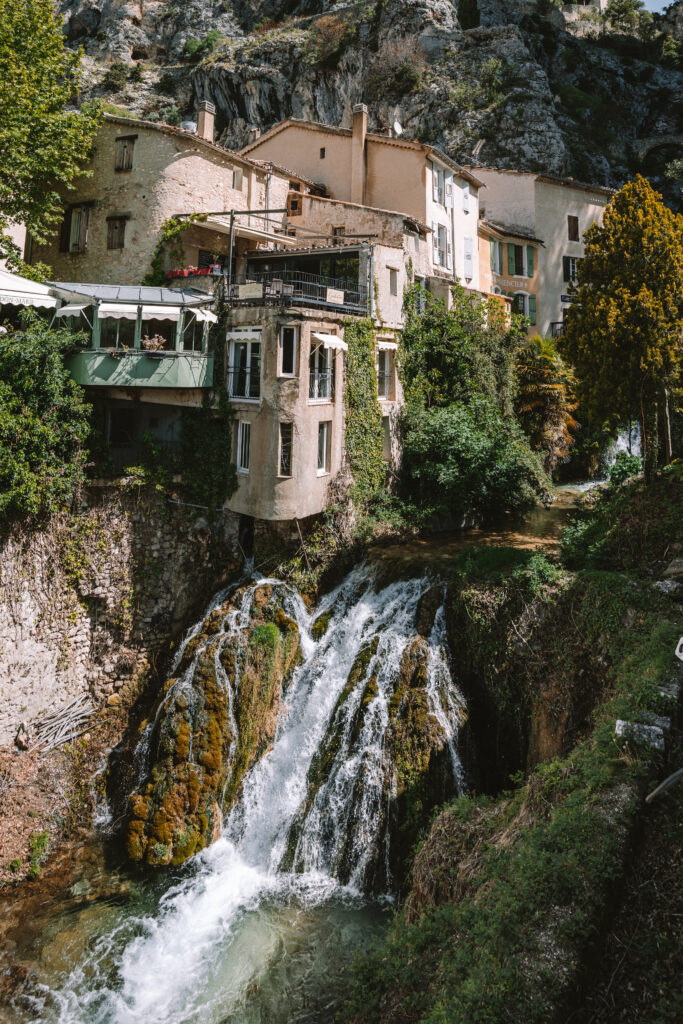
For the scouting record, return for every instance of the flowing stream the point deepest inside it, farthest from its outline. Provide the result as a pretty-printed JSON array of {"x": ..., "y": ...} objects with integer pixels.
[{"x": 259, "y": 926}]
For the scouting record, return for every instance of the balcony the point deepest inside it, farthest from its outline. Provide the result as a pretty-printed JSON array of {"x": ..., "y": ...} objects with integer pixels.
[
  {"x": 321, "y": 385},
  {"x": 244, "y": 384},
  {"x": 136, "y": 368},
  {"x": 297, "y": 288},
  {"x": 557, "y": 329}
]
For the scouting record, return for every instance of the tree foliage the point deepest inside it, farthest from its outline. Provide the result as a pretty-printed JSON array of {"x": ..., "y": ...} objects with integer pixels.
[
  {"x": 545, "y": 399},
  {"x": 623, "y": 332},
  {"x": 449, "y": 355},
  {"x": 43, "y": 420},
  {"x": 43, "y": 145}
]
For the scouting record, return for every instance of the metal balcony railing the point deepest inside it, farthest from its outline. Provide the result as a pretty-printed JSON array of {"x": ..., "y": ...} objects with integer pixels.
[
  {"x": 244, "y": 383},
  {"x": 296, "y": 287},
  {"x": 557, "y": 329},
  {"x": 321, "y": 384}
]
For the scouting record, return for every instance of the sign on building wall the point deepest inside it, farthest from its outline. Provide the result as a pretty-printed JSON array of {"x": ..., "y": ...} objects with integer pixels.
[
  {"x": 251, "y": 291},
  {"x": 335, "y": 296}
]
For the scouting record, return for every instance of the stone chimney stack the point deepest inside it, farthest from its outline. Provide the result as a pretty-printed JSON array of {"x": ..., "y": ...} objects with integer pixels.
[
  {"x": 253, "y": 134},
  {"x": 205, "y": 120},
  {"x": 360, "y": 131}
]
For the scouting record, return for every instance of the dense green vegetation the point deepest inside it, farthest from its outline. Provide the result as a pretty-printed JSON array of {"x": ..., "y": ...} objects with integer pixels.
[
  {"x": 364, "y": 437},
  {"x": 44, "y": 421}
]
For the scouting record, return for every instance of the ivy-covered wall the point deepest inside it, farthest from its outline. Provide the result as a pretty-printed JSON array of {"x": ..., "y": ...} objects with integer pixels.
[{"x": 364, "y": 432}]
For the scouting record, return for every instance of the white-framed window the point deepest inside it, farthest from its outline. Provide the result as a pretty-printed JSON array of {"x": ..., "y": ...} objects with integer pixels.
[
  {"x": 496, "y": 256},
  {"x": 324, "y": 446},
  {"x": 288, "y": 347},
  {"x": 385, "y": 374},
  {"x": 465, "y": 197},
  {"x": 449, "y": 249},
  {"x": 438, "y": 185},
  {"x": 243, "y": 446},
  {"x": 244, "y": 369},
  {"x": 440, "y": 242},
  {"x": 286, "y": 444},
  {"x": 321, "y": 375},
  {"x": 570, "y": 267},
  {"x": 448, "y": 189},
  {"x": 393, "y": 281}
]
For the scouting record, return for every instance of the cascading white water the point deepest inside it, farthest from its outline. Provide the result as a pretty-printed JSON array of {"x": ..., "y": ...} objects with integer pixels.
[{"x": 200, "y": 950}]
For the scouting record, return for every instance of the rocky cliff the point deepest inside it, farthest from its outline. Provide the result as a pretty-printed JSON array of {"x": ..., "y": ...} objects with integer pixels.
[{"x": 516, "y": 84}]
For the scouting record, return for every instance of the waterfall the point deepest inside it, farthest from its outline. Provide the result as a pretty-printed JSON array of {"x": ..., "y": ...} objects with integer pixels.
[{"x": 311, "y": 824}]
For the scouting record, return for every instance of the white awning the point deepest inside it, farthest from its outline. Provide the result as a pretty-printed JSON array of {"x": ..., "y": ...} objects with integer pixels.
[
  {"x": 330, "y": 341},
  {"x": 204, "y": 315},
  {"x": 27, "y": 299},
  {"x": 71, "y": 310},
  {"x": 161, "y": 312},
  {"x": 117, "y": 310},
  {"x": 386, "y": 346},
  {"x": 245, "y": 334}
]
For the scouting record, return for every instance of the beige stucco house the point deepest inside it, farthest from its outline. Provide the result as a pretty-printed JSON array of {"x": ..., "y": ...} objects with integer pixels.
[
  {"x": 556, "y": 210},
  {"x": 386, "y": 172},
  {"x": 509, "y": 261}
]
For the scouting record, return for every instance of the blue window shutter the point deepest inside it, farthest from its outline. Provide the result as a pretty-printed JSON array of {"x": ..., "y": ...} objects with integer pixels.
[
  {"x": 492, "y": 244},
  {"x": 511, "y": 259},
  {"x": 529, "y": 261},
  {"x": 532, "y": 309}
]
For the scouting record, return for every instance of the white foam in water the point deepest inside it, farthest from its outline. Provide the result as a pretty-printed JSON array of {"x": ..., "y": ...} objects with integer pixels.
[{"x": 192, "y": 958}]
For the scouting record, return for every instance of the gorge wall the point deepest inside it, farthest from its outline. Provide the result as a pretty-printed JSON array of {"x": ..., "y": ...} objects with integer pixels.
[{"x": 91, "y": 600}]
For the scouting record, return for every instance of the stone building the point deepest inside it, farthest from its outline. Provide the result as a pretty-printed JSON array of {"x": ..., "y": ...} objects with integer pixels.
[
  {"x": 556, "y": 210},
  {"x": 141, "y": 174}
]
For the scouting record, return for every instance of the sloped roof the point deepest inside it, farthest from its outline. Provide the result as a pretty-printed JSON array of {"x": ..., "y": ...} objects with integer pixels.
[{"x": 134, "y": 293}]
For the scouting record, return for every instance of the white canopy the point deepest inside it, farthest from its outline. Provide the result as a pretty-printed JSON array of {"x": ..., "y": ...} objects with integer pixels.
[
  {"x": 329, "y": 340},
  {"x": 71, "y": 310},
  {"x": 386, "y": 346},
  {"x": 204, "y": 316},
  {"x": 161, "y": 312},
  {"x": 117, "y": 310},
  {"x": 20, "y": 291},
  {"x": 244, "y": 334}
]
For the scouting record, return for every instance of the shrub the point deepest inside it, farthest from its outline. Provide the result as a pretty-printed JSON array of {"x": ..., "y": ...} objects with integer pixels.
[
  {"x": 167, "y": 84},
  {"x": 116, "y": 77},
  {"x": 329, "y": 36},
  {"x": 469, "y": 460},
  {"x": 43, "y": 420},
  {"x": 196, "y": 49},
  {"x": 625, "y": 466},
  {"x": 398, "y": 70}
]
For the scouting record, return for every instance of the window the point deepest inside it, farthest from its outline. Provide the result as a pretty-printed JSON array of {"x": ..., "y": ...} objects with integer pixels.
[
  {"x": 116, "y": 231},
  {"x": 338, "y": 235},
  {"x": 573, "y": 229},
  {"x": 243, "y": 444},
  {"x": 393, "y": 281},
  {"x": 321, "y": 383},
  {"x": 322, "y": 152},
  {"x": 117, "y": 333},
  {"x": 324, "y": 439},
  {"x": 237, "y": 176},
  {"x": 438, "y": 185},
  {"x": 193, "y": 334},
  {"x": 165, "y": 329},
  {"x": 570, "y": 266},
  {"x": 525, "y": 305},
  {"x": 286, "y": 433},
  {"x": 386, "y": 440},
  {"x": 496, "y": 256},
  {"x": 74, "y": 233},
  {"x": 384, "y": 374},
  {"x": 124, "y": 152},
  {"x": 448, "y": 189},
  {"x": 443, "y": 249},
  {"x": 207, "y": 259},
  {"x": 520, "y": 260},
  {"x": 244, "y": 371},
  {"x": 288, "y": 351},
  {"x": 465, "y": 197},
  {"x": 468, "y": 258}
]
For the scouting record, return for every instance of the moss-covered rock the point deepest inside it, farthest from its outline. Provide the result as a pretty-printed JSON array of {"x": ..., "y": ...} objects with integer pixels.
[{"x": 201, "y": 753}]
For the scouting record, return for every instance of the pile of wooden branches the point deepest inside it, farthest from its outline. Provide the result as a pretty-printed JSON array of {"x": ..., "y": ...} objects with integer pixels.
[{"x": 62, "y": 725}]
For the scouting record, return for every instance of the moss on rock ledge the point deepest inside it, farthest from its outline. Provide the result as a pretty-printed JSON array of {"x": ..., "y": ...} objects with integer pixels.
[{"x": 201, "y": 751}]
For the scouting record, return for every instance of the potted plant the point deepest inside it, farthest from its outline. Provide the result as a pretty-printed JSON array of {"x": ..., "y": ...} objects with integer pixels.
[{"x": 154, "y": 345}]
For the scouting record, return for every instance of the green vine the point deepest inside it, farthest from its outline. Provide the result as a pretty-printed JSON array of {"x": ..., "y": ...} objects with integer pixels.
[
  {"x": 364, "y": 434},
  {"x": 170, "y": 245}
]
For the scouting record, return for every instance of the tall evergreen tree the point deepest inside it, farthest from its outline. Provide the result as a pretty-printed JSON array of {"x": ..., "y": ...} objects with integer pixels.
[{"x": 624, "y": 330}]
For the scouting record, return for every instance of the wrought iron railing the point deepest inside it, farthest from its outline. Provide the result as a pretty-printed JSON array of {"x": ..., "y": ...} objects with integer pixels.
[
  {"x": 299, "y": 287},
  {"x": 557, "y": 329},
  {"x": 321, "y": 384},
  {"x": 244, "y": 383}
]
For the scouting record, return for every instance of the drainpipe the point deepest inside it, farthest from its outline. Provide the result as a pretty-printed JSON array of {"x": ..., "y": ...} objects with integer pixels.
[
  {"x": 232, "y": 236},
  {"x": 138, "y": 329},
  {"x": 371, "y": 289},
  {"x": 96, "y": 326},
  {"x": 269, "y": 171}
]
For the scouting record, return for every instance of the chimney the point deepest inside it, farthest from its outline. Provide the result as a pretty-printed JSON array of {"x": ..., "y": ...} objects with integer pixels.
[
  {"x": 205, "y": 119},
  {"x": 253, "y": 134},
  {"x": 360, "y": 131}
]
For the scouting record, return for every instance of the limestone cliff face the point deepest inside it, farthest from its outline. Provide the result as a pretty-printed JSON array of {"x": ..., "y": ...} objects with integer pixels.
[{"x": 519, "y": 89}]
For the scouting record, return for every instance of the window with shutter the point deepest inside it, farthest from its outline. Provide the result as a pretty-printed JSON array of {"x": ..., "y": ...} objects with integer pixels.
[
  {"x": 532, "y": 309},
  {"x": 65, "y": 231},
  {"x": 435, "y": 183},
  {"x": 529, "y": 261},
  {"x": 469, "y": 258},
  {"x": 492, "y": 249},
  {"x": 435, "y": 241},
  {"x": 573, "y": 229},
  {"x": 237, "y": 178},
  {"x": 449, "y": 189},
  {"x": 116, "y": 230},
  {"x": 449, "y": 249},
  {"x": 570, "y": 267},
  {"x": 124, "y": 152},
  {"x": 466, "y": 197},
  {"x": 78, "y": 230},
  {"x": 511, "y": 259}
]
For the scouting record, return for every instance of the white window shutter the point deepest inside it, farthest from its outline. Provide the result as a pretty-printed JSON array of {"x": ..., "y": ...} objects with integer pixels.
[
  {"x": 449, "y": 189},
  {"x": 468, "y": 248},
  {"x": 435, "y": 183},
  {"x": 435, "y": 240},
  {"x": 449, "y": 249},
  {"x": 466, "y": 197}
]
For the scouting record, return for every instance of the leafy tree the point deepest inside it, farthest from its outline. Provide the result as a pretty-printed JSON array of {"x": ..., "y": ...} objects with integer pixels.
[
  {"x": 545, "y": 399},
  {"x": 468, "y": 460},
  {"x": 622, "y": 15},
  {"x": 43, "y": 145},
  {"x": 451, "y": 355},
  {"x": 43, "y": 420},
  {"x": 623, "y": 332}
]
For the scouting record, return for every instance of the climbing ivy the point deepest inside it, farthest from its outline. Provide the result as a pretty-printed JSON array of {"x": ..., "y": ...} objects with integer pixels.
[
  {"x": 170, "y": 245},
  {"x": 364, "y": 434}
]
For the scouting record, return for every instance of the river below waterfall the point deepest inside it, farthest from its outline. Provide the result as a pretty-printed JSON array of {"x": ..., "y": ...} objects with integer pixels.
[{"x": 232, "y": 937}]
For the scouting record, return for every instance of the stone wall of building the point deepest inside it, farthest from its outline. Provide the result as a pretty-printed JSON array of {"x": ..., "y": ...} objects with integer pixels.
[{"x": 93, "y": 599}]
